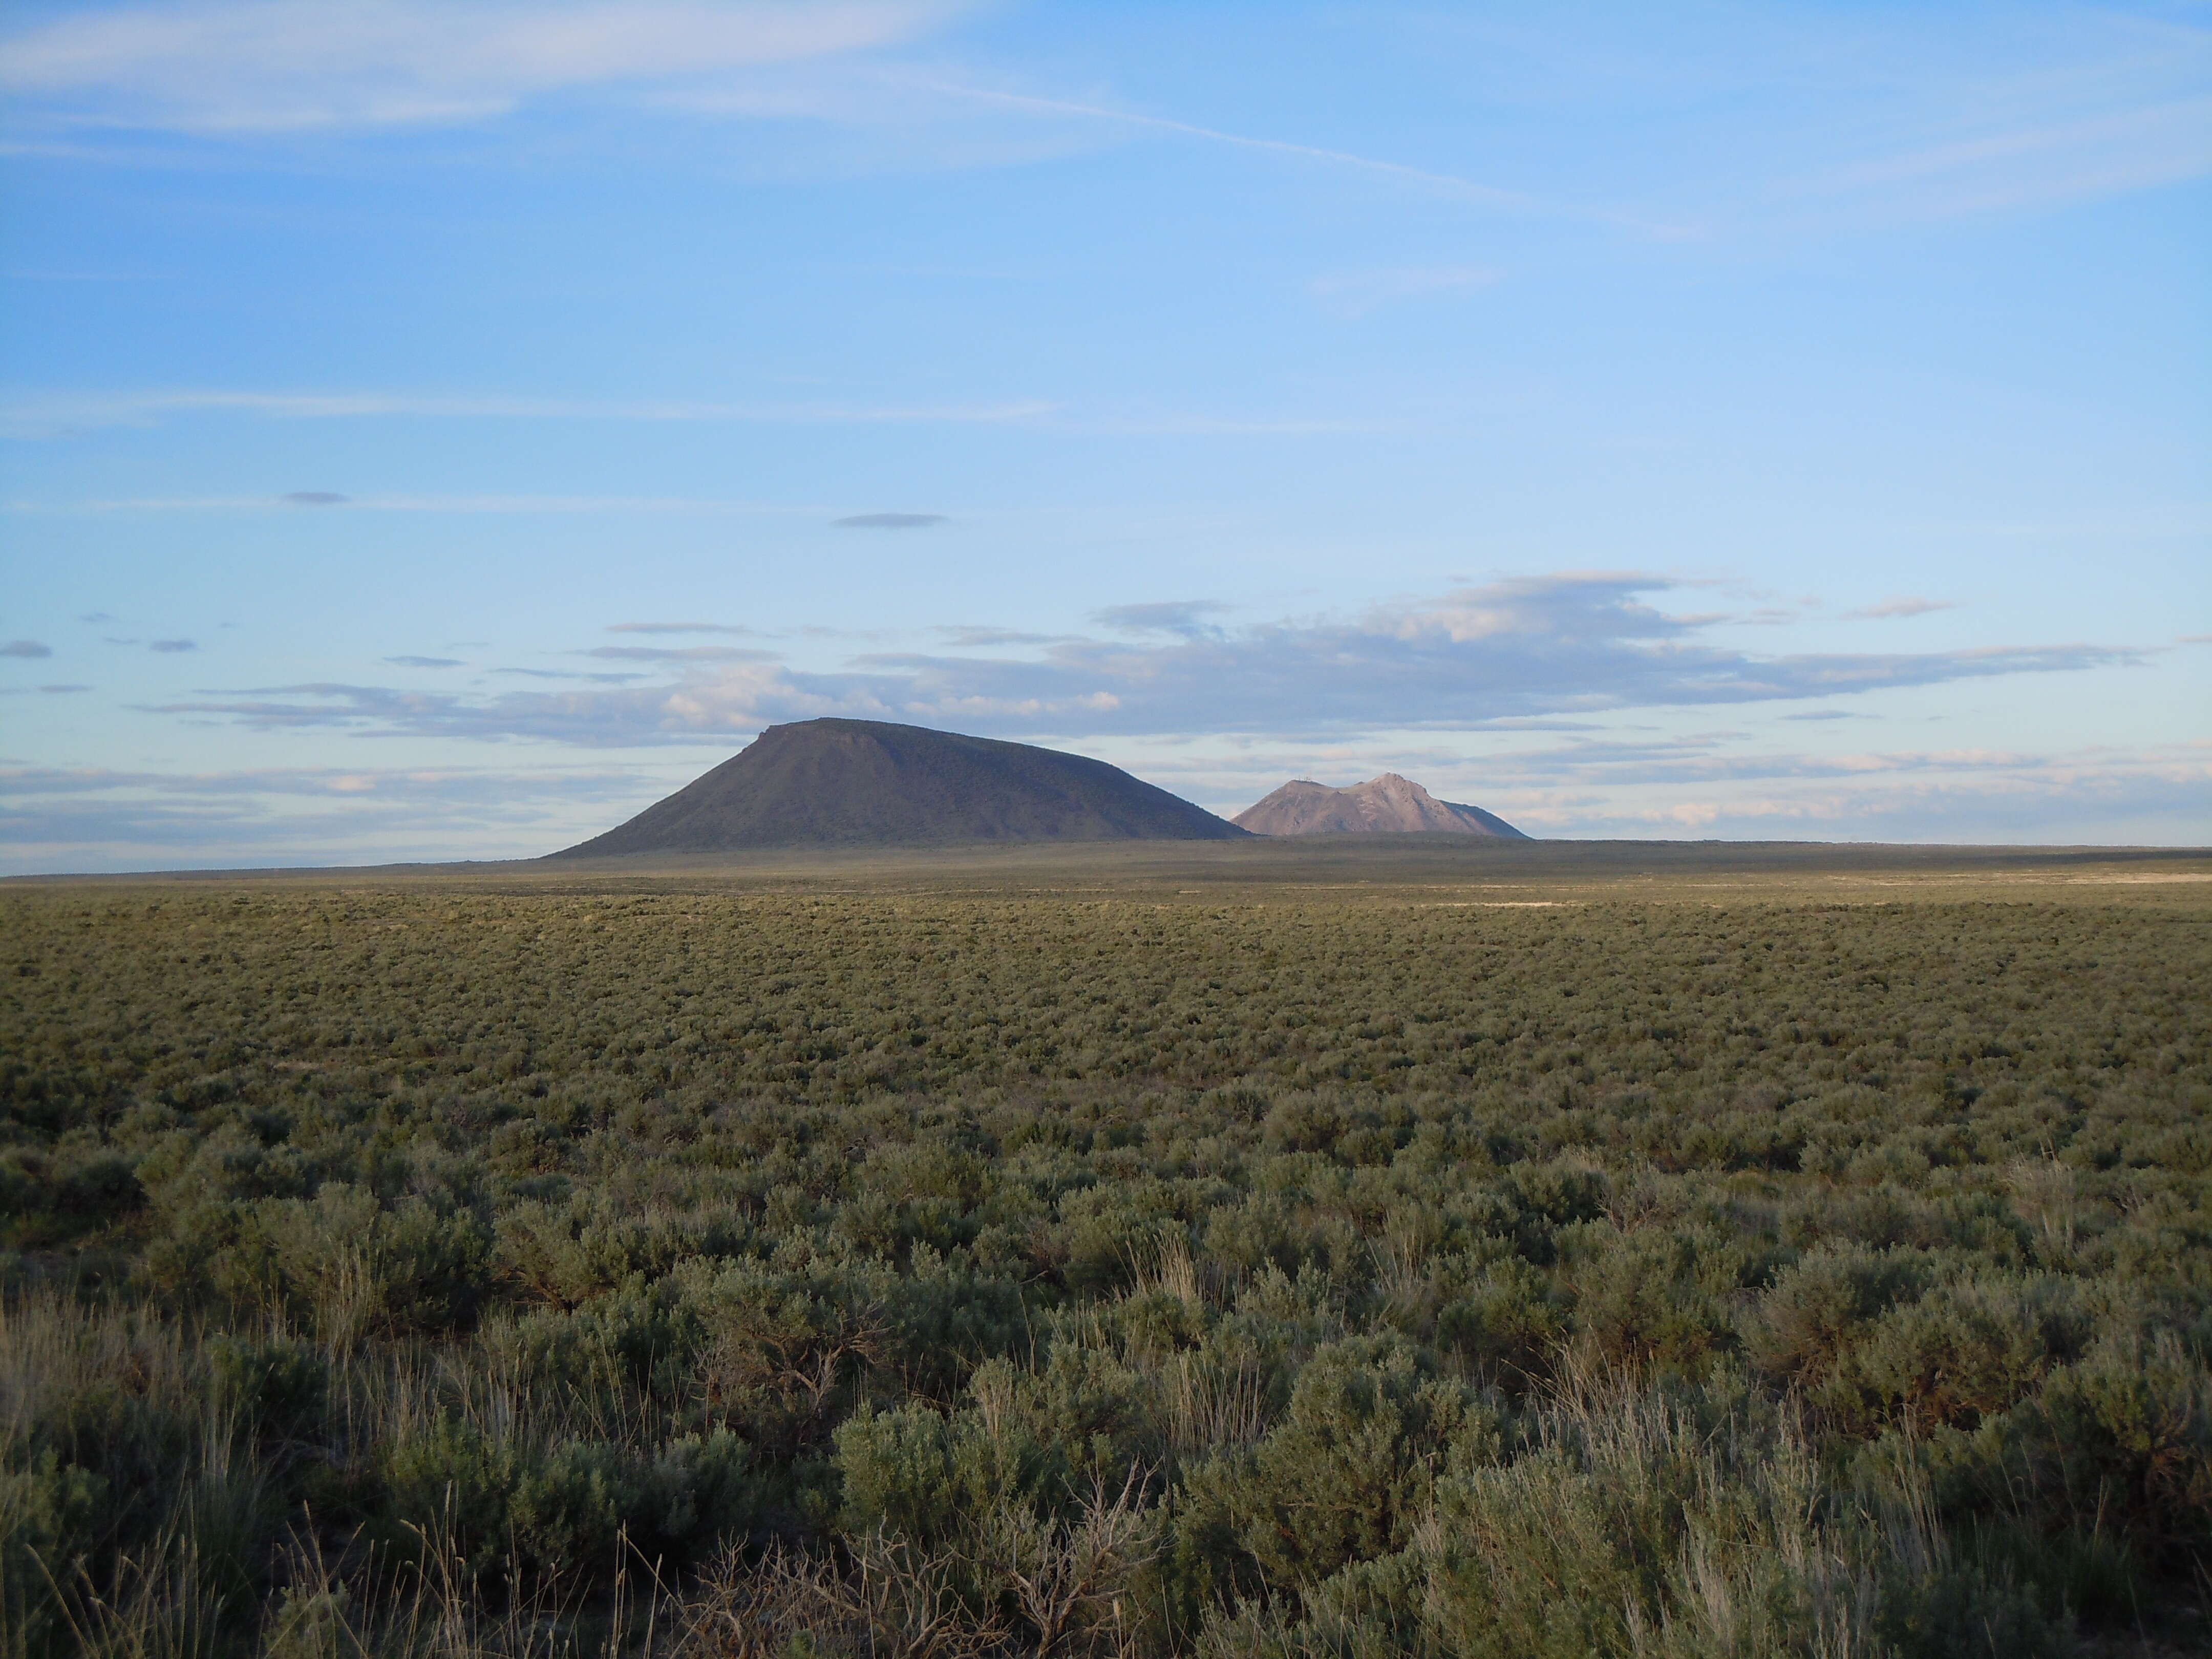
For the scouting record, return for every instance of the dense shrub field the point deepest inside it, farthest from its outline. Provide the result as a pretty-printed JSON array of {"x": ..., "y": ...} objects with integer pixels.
[{"x": 434, "y": 1268}]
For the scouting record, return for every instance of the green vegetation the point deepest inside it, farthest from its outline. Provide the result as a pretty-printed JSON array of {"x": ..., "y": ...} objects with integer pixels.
[{"x": 681, "y": 1266}]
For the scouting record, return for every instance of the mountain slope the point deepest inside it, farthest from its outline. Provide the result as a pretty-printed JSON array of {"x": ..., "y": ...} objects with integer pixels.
[
  {"x": 867, "y": 783},
  {"x": 1388, "y": 804}
]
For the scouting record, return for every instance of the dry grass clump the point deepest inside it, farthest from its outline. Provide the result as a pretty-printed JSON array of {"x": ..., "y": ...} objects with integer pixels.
[{"x": 1016, "y": 1587}]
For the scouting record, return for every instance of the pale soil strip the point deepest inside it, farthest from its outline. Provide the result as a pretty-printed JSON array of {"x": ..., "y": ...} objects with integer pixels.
[
  {"x": 2019, "y": 878},
  {"x": 2116, "y": 880}
]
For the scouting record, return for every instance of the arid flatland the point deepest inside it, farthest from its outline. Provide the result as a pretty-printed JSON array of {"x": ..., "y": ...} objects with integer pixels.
[{"x": 1143, "y": 1249}]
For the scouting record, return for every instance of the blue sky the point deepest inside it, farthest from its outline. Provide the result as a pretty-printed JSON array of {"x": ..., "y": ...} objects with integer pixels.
[{"x": 437, "y": 430}]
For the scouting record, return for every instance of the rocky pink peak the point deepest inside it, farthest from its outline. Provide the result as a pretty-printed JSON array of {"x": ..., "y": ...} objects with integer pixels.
[{"x": 1388, "y": 804}]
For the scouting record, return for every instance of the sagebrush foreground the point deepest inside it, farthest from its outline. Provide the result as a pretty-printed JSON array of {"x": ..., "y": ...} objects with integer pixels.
[{"x": 434, "y": 1268}]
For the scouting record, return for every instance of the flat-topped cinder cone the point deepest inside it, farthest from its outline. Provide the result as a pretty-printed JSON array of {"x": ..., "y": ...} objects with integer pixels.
[
  {"x": 867, "y": 783},
  {"x": 1388, "y": 804}
]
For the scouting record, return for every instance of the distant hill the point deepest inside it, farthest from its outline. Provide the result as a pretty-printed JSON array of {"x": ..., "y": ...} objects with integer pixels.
[
  {"x": 867, "y": 783},
  {"x": 1388, "y": 804}
]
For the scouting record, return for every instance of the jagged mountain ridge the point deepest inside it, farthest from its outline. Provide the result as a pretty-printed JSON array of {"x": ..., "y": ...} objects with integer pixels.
[
  {"x": 872, "y": 783},
  {"x": 1388, "y": 804}
]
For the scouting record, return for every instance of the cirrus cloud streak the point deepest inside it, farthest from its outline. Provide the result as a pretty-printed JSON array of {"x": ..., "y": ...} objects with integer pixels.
[{"x": 271, "y": 65}]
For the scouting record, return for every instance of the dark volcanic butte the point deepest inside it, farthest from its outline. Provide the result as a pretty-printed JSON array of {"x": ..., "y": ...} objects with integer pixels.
[
  {"x": 1388, "y": 804},
  {"x": 868, "y": 783}
]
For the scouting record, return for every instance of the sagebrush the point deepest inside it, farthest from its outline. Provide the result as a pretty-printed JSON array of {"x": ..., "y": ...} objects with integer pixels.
[{"x": 429, "y": 1268}]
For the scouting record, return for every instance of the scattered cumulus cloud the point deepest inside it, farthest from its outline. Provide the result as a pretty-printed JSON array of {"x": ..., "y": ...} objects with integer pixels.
[
  {"x": 571, "y": 674},
  {"x": 427, "y": 662},
  {"x": 1552, "y": 647},
  {"x": 91, "y": 818},
  {"x": 1955, "y": 796},
  {"x": 415, "y": 783},
  {"x": 1186, "y": 617},
  {"x": 59, "y": 690},
  {"x": 1827, "y": 714},
  {"x": 966, "y": 637},
  {"x": 889, "y": 520},
  {"x": 96, "y": 617},
  {"x": 675, "y": 653},
  {"x": 314, "y": 498},
  {"x": 1902, "y": 605},
  {"x": 58, "y": 818},
  {"x": 1624, "y": 782},
  {"x": 676, "y": 628},
  {"x": 26, "y": 648},
  {"x": 171, "y": 645}
]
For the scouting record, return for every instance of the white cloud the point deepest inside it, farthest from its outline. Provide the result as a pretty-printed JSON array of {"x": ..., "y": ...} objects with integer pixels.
[
  {"x": 1450, "y": 186},
  {"x": 692, "y": 653},
  {"x": 1853, "y": 122},
  {"x": 676, "y": 628},
  {"x": 962, "y": 636},
  {"x": 275, "y": 64},
  {"x": 1186, "y": 619},
  {"x": 1532, "y": 647},
  {"x": 92, "y": 819},
  {"x": 2042, "y": 164},
  {"x": 56, "y": 818},
  {"x": 2146, "y": 797},
  {"x": 1621, "y": 785},
  {"x": 1902, "y": 605}
]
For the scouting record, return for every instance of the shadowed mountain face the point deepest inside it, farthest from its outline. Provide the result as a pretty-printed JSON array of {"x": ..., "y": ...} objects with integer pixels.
[
  {"x": 1388, "y": 804},
  {"x": 865, "y": 783}
]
